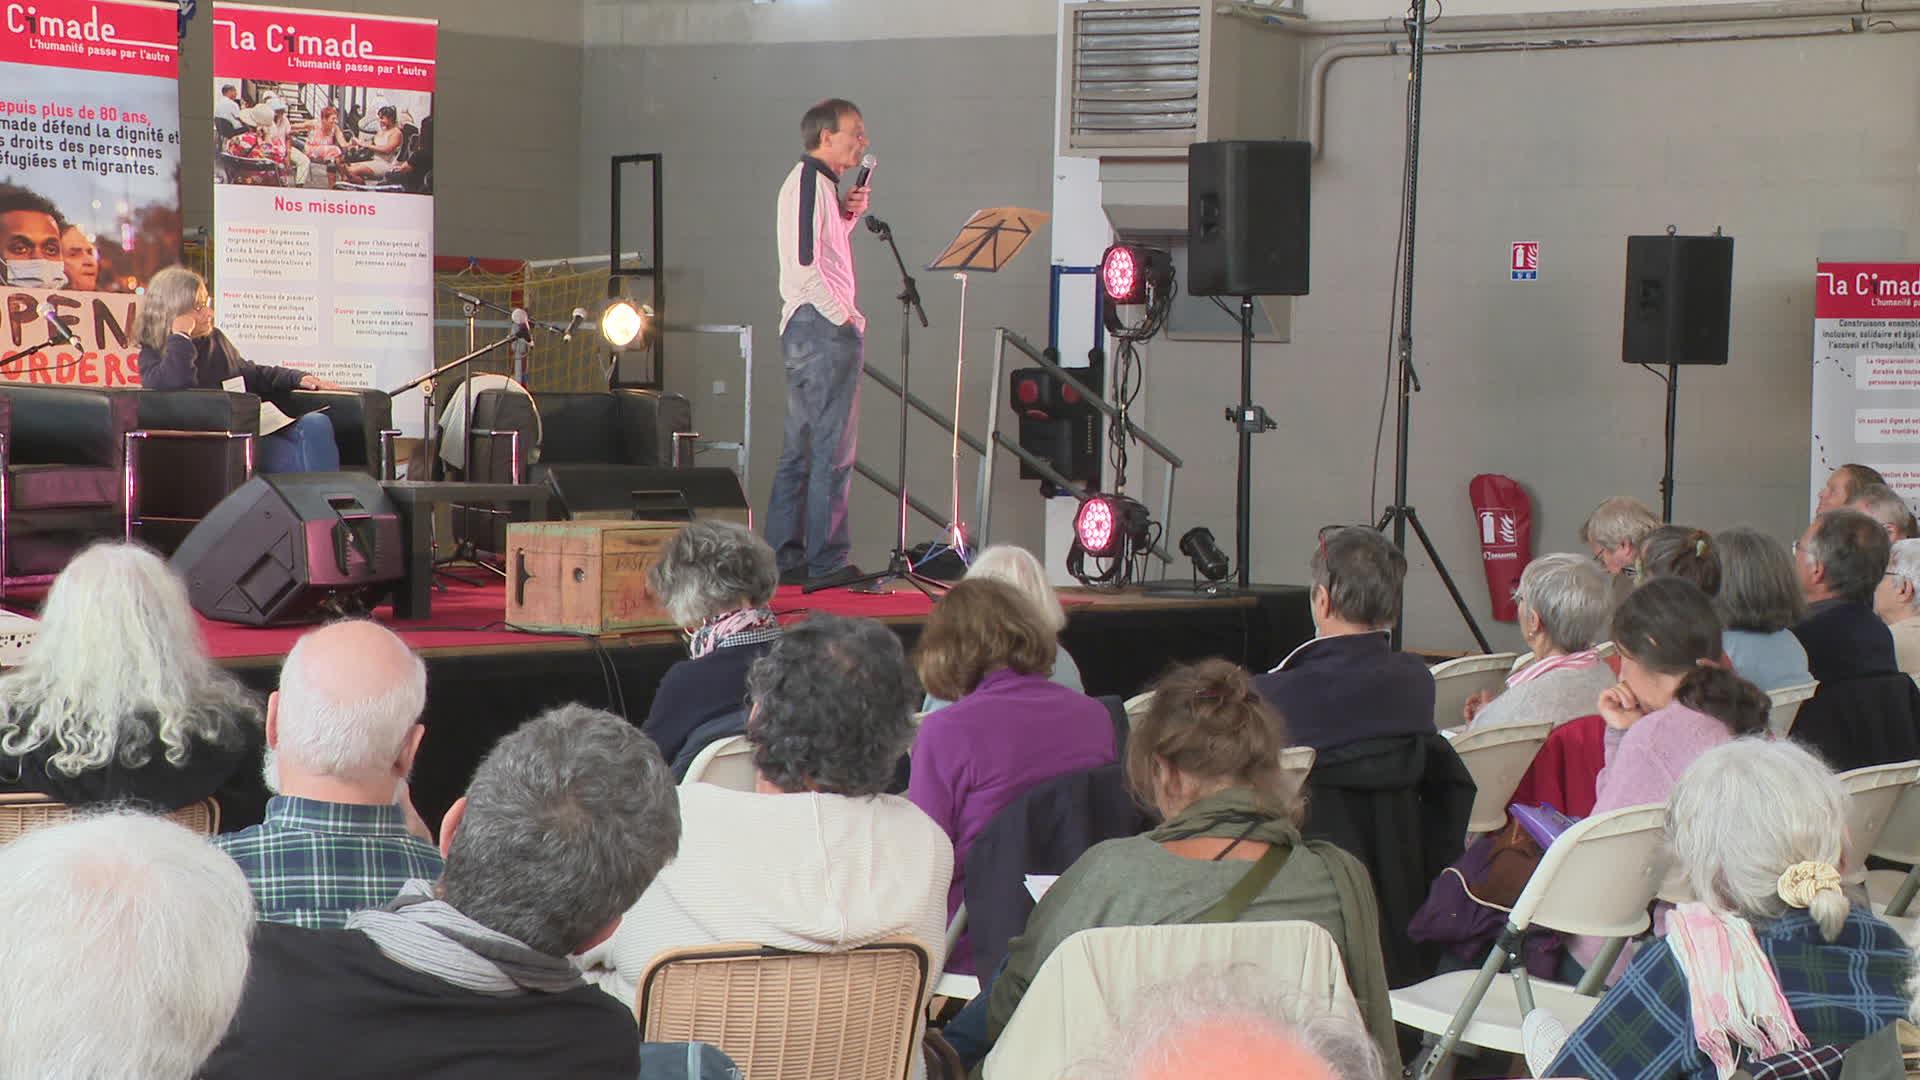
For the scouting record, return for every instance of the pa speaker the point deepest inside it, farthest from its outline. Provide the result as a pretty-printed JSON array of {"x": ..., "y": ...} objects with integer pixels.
[
  {"x": 1679, "y": 300},
  {"x": 293, "y": 548},
  {"x": 646, "y": 492},
  {"x": 1248, "y": 210}
]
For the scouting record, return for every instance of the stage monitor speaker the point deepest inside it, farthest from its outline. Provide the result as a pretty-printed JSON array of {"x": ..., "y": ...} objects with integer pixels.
[
  {"x": 1679, "y": 300},
  {"x": 293, "y": 548},
  {"x": 1248, "y": 215},
  {"x": 646, "y": 492}
]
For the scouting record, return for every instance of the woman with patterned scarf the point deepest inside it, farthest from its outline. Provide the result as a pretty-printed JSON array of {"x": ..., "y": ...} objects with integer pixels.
[
  {"x": 1771, "y": 959},
  {"x": 1206, "y": 757},
  {"x": 715, "y": 578}
]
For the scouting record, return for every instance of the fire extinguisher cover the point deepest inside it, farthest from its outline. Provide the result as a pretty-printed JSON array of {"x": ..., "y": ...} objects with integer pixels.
[{"x": 1504, "y": 515}]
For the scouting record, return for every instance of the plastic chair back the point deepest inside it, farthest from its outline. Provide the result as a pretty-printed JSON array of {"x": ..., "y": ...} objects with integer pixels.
[
  {"x": 1099, "y": 979},
  {"x": 1872, "y": 794},
  {"x": 1598, "y": 877},
  {"x": 725, "y": 762},
  {"x": 1785, "y": 706},
  {"x": 1498, "y": 757},
  {"x": 1454, "y": 681}
]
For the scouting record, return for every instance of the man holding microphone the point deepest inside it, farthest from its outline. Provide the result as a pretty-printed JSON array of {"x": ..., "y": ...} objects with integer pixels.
[{"x": 821, "y": 334}]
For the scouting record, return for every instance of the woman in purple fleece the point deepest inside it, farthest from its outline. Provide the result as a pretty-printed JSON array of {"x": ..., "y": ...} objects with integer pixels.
[{"x": 987, "y": 649}]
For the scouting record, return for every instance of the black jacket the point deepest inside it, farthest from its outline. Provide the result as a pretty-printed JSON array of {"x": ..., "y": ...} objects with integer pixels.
[
  {"x": 1400, "y": 805},
  {"x": 1873, "y": 720},
  {"x": 1336, "y": 690},
  {"x": 697, "y": 690},
  {"x": 1846, "y": 640},
  {"x": 328, "y": 1003},
  {"x": 204, "y": 363},
  {"x": 1041, "y": 832},
  {"x": 230, "y": 773}
]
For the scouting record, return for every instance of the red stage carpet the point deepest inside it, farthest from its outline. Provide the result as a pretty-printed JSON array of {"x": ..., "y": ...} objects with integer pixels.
[{"x": 471, "y": 615}]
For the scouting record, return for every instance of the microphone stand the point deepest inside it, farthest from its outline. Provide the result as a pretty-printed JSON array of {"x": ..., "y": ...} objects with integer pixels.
[
  {"x": 30, "y": 350},
  {"x": 899, "y": 567}
]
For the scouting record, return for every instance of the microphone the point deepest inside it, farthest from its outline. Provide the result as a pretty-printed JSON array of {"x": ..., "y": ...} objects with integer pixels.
[
  {"x": 57, "y": 332},
  {"x": 579, "y": 316},
  {"x": 469, "y": 298},
  {"x": 522, "y": 325},
  {"x": 861, "y": 178},
  {"x": 876, "y": 226}
]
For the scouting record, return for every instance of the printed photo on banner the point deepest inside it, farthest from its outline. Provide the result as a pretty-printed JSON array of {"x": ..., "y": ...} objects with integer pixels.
[
  {"x": 312, "y": 135},
  {"x": 89, "y": 181}
]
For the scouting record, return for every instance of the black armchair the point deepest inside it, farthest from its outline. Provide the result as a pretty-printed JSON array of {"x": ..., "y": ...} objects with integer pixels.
[
  {"x": 62, "y": 475},
  {"x": 362, "y": 421},
  {"x": 624, "y": 427}
]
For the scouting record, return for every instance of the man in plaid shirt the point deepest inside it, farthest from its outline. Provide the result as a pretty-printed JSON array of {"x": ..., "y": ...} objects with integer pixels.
[{"x": 342, "y": 730}]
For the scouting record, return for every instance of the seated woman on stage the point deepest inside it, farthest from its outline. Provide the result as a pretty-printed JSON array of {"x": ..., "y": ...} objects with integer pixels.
[
  {"x": 715, "y": 578},
  {"x": 1017, "y": 567},
  {"x": 1206, "y": 756},
  {"x": 180, "y": 349},
  {"x": 117, "y": 699},
  {"x": 1009, "y": 728}
]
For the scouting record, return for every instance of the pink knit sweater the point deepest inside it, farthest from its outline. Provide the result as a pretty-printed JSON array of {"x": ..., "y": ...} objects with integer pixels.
[{"x": 1646, "y": 760}]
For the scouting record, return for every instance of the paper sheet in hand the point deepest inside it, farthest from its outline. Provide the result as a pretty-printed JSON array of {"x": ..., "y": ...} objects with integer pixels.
[
  {"x": 271, "y": 418},
  {"x": 1038, "y": 884}
]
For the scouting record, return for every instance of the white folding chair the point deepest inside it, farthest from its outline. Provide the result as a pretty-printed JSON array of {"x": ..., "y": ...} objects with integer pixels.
[
  {"x": 1785, "y": 707},
  {"x": 1872, "y": 794},
  {"x": 1096, "y": 981},
  {"x": 1892, "y": 891},
  {"x": 1137, "y": 706},
  {"x": 725, "y": 762},
  {"x": 1498, "y": 757},
  {"x": 1520, "y": 662},
  {"x": 1597, "y": 879},
  {"x": 1454, "y": 681},
  {"x": 1296, "y": 763}
]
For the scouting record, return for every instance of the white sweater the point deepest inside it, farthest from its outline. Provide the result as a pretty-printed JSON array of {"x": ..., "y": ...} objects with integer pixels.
[
  {"x": 816, "y": 247},
  {"x": 810, "y": 873}
]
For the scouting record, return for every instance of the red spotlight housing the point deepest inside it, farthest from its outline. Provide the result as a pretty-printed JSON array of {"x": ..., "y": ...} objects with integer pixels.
[
  {"x": 1094, "y": 526},
  {"x": 1120, "y": 275},
  {"x": 1114, "y": 528}
]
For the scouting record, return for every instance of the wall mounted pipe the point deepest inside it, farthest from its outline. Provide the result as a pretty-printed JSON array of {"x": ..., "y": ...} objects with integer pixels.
[{"x": 1664, "y": 15}]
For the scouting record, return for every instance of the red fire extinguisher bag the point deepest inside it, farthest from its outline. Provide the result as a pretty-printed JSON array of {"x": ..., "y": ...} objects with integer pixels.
[{"x": 1504, "y": 516}]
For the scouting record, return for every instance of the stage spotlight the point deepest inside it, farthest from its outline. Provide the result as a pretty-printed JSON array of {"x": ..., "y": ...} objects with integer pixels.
[
  {"x": 626, "y": 325},
  {"x": 1132, "y": 276},
  {"x": 1114, "y": 528},
  {"x": 1208, "y": 560}
]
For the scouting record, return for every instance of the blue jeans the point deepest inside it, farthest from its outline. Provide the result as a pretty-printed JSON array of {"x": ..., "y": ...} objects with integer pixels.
[
  {"x": 306, "y": 445},
  {"x": 967, "y": 1031},
  {"x": 807, "y": 513}
]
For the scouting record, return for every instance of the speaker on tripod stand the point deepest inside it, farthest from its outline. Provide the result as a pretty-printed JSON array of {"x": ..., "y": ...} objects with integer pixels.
[{"x": 1679, "y": 308}]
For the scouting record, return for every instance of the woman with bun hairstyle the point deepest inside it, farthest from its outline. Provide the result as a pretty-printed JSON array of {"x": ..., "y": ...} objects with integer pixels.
[
  {"x": 1770, "y": 957},
  {"x": 1677, "y": 551},
  {"x": 1206, "y": 759}
]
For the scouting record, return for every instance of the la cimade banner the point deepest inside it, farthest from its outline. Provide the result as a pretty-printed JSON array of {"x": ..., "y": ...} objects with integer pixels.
[
  {"x": 89, "y": 180},
  {"x": 323, "y": 193},
  {"x": 1866, "y": 372}
]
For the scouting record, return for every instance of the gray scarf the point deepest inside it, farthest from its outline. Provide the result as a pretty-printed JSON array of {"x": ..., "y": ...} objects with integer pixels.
[{"x": 419, "y": 930}]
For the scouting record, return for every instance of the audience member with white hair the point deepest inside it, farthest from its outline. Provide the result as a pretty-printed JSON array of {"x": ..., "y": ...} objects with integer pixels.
[
  {"x": 1759, "y": 603},
  {"x": 715, "y": 579},
  {"x": 118, "y": 701},
  {"x": 342, "y": 732},
  {"x": 1771, "y": 956},
  {"x": 126, "y": 944},
  {"x": 1565, "y": 602},
  {"x": 1884, "y": 505},
  {"x": 1223, "y": 1027},
  {"x": 566, "y": 823},
  {"x": 1017, "y": 567},
  {"x": 1897, "y": 602},
  {"x": 1614, "y": 530}
]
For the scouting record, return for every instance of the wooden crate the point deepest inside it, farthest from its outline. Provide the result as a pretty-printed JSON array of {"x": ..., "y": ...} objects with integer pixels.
[{"x": 584, "y": 577}]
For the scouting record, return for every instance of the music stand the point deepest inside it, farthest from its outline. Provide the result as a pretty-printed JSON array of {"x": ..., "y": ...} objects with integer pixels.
[{"x": 985, "y": 244}]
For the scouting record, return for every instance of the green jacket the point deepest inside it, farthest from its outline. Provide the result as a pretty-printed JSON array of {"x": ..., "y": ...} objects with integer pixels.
[{"x": 1136, "y": 882}]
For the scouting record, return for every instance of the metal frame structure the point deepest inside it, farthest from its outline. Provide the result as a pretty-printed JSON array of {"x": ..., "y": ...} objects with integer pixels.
[{"x": 650, "y": 270}]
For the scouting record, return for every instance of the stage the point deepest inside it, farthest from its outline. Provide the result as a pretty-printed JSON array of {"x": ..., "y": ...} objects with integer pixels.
[{"x": 483, "y": 679}]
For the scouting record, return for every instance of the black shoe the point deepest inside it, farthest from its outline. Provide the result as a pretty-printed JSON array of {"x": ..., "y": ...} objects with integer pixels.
[
  {"x": 831, "y": 578},
  {"x": 795, "y": 576}
]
